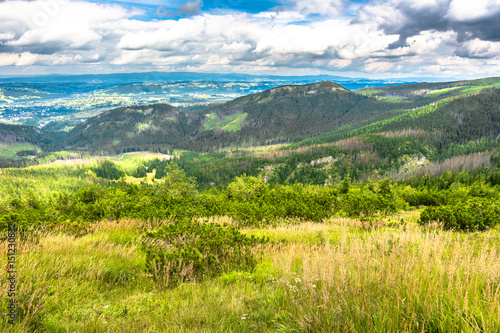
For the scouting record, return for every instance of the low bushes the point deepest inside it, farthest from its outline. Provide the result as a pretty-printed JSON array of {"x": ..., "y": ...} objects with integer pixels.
[
  {"x": 476, "y": 214},
  {"x": 189, "y": 250}
]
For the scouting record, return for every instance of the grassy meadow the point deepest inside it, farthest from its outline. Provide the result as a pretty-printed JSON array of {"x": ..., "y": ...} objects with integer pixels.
[
  {"x": 380, "y": 271},
  {"x": 341, "y": 275}
]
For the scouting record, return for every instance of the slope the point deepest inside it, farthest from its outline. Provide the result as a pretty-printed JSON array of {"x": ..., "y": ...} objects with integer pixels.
[
  {"x": 283, "y": 114},
  {"x": 133, "y": 128}
]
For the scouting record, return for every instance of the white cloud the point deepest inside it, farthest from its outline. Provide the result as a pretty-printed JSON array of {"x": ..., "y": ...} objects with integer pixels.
[
  {"x": 426, "y": 42},
  {"x": 386, "y": 36},
  {"x": 480, "y": 49},
  {"x": 58, "y": 23},
  {"x": 378, "y": 66},
  {"x": 23, "y": 59},
  {"x": 467, "y": 10},
  {"x": 6, "y": 36},
  {"x": 324, "y": 7}
]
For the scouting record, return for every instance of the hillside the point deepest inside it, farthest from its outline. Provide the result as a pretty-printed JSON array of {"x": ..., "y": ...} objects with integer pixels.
[
  {"x": 134, "y": 128},
  {"x": 451, "y": 116},
  {"x": 420, "y": 94},
  {"x": 283, "y": 114},
  {"x": 456, "y": 133},
  {"x": 13, "y": 134},
  {"x": 294, "y": 112}
]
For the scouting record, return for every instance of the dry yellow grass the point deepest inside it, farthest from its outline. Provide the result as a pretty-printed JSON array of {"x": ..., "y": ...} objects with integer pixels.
[{"x": 418, "y": 275}]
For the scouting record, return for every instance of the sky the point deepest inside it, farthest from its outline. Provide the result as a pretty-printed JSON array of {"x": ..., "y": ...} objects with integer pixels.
[{"x": 358, "y": 38}]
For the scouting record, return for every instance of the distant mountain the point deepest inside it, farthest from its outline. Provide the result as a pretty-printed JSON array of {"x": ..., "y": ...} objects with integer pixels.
[
  {"x": 290, "y": 112},
  {"x": 424, "y": 93},
  {"x": 134, "y": 128},
  {"x": 65, "y": 100},
  {"x": 319, "y": 112},
  {"x": 452, "y": 117},
  {"x": 282, "y": 114},
  {"x": 11, "y": 134},
  {"x": 124, "y": 78}
]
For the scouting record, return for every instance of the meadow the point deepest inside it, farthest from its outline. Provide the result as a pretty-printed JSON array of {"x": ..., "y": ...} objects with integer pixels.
[
  {"x": 340, "y": 275},
  {"x": 106, "y": 255}
]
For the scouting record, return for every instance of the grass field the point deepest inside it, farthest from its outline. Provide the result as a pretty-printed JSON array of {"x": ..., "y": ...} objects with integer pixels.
[
  {"x": 342, "y": 275},
  {"x": 62, "y": 174},
  {"x": 9, "y": 150},
  {"x": 230, "y": 123}
]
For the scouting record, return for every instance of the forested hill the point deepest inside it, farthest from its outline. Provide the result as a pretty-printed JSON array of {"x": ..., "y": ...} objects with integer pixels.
[
  {"x": 452, "y": 120},
  {"x": 14, "y": 134},
  {"x": 320, "y": 112},
  {"x": 292, "y": 112},
  {"x": 283, "y": 114},
  {"x": 420, "y": 94},
  {"x": 134, "y": 128}
]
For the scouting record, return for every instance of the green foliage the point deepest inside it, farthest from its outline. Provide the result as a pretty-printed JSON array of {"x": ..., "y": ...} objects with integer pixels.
[
  {"x": 177, "y": 184},
  {"x": 108, "y": 170},
  {"x": 476, "y": 214},
  {"x": 246, "y": 188},
  {"x": 367, "y": 201},
  {"x": 346, "y": 182},
  {"x": 185, "y": 250},
  {"x": 140, "y": 172},
  {"x": 230, "y": 123}
]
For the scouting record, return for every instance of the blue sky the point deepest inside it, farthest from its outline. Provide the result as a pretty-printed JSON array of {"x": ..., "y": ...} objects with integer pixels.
[{"x": 359, "y": 38}]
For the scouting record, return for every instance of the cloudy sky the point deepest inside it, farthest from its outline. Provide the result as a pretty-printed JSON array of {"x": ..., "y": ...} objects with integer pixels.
[{"x": 359, "y": 38}]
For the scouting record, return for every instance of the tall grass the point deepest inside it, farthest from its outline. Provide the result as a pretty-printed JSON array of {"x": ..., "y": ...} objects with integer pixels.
[
  {"x": 338, "y": 276},
  {"x": 392, "y": 280}
]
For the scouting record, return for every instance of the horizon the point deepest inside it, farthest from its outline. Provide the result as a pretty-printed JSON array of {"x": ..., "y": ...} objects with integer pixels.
[
  {"x": 372, "y": 39},
  {"x": 264, "y": 76}
]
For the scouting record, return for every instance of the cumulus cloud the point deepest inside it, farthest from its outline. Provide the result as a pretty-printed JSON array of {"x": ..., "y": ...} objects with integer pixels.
[
  {"x": 478, "y": 49},
  {"x": 323, "y": 7},
  {"x": 188, "y": 8},
  {"x": 50, "y": 26},
  {"x": 407, "y": 18},
  {"x": 466, "y": 10},
  {"x": 385, "y": 36},
  {"x": 22, "y": 59}
]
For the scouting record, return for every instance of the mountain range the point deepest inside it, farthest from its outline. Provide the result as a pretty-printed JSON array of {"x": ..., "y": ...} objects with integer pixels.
[{"x": 440, "y": 116}]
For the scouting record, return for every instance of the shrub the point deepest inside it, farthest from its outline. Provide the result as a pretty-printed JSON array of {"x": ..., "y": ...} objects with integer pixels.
[
  {"x": 140, "y": 172},
  {"x": 426, "y": 198},
  {"x": 188, "y": 250},
  {"x": 478, "y": 214},
  {"x": 246, "y": 188},
  {"x": 108, "y": 170}
]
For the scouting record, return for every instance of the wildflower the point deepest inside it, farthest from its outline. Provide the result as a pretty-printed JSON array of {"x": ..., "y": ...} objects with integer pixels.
[{"x": 107, "y": 317}]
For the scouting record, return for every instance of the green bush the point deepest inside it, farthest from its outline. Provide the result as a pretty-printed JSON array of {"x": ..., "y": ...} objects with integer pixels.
[
  {"x": 186, "y": 250},
  {"x": 368, "y": 201},
  {"x": 246, "y": 188},
  {"x": 140, "y": 172},
  {"x": 108, "y": 170},
  {"x": 426, "y": 198},
  {"x": 477, "y": 214}
]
